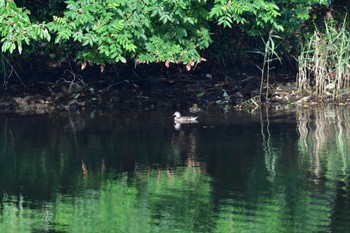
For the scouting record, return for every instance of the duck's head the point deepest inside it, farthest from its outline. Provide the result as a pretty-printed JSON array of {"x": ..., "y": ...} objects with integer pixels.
[{"x": 177, "y": 114}]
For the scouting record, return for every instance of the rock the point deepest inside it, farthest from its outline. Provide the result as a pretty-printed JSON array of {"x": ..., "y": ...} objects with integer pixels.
[{"x": 194, "y": 109}]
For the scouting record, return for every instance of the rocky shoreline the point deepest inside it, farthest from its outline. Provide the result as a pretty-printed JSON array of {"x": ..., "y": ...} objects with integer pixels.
[{"x": 223, "y": 94}]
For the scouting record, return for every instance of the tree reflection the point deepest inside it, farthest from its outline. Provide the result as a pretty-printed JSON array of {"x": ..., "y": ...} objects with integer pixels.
[{"x": 267, "y": 175}]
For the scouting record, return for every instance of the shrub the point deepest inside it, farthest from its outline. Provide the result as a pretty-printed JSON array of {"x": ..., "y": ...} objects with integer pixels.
[{"x": 170, "y": 31}]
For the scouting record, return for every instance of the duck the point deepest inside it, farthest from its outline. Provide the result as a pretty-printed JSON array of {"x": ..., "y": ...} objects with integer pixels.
[
  {"x": 178, "y": 119},
  {"x": 194, "y": 109}
]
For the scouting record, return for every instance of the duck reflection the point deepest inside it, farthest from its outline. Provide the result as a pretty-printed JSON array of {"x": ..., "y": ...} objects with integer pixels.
[
  {"x": 184, "y": 145},
  {"x": 177, "y": 126}
]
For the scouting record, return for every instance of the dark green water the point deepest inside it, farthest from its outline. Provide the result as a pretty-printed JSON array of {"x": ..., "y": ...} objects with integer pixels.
[{"x": 268, "y": 172}]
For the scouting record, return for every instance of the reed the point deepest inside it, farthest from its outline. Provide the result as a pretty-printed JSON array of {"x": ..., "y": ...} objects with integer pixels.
[
  {"x": 324, "y": 62},
  {"x": 269, "y": 55}
]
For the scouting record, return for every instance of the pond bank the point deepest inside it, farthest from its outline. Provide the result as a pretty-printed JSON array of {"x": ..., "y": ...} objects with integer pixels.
[{"x": 210, "y": 94}]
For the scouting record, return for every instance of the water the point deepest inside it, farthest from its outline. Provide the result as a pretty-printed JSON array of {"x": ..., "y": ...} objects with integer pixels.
[{"x": 265, "y": 172}]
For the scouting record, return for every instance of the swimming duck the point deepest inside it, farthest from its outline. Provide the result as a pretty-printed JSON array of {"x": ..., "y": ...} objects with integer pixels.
[{"x": 184, "y": 119}]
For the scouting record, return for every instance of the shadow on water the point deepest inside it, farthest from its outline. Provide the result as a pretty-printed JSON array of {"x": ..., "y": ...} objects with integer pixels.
[{"x": 268, "y": 172}]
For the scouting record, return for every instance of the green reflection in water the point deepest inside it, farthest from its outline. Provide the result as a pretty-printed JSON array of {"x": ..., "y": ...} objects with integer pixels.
[
  {"x": 16, "y": 217},
  {"x": 151, "y": 201},
  {"x": 110, "y": 209},
  {"x": 262, "y": 176}
]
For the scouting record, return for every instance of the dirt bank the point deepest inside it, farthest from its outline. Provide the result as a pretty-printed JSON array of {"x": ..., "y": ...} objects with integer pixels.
[{"x": 209, "y": 91}]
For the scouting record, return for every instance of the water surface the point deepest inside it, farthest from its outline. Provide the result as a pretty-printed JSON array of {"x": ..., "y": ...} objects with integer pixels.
[{"x": 134, "y": 172}]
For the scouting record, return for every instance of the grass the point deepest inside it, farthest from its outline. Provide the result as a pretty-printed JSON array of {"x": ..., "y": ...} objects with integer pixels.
[{"x": 324, "y": 62}]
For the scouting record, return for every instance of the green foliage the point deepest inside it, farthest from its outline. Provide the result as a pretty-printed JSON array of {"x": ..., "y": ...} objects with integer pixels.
[
  {"x": 180, "y": 21},
  {"x": 16, "y": 28},
  {"x": 228, "y": 12},
  {"x": 97, "y": 29},
  {"x": 171, "y": 31},
  {"x": 113, "y": 30},
  {"x": 255, "y": 16},
  {"x": 295, "y": 13}
]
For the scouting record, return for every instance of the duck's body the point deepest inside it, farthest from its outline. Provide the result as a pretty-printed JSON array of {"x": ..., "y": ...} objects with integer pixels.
[{"x": 178, "y": 119}]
